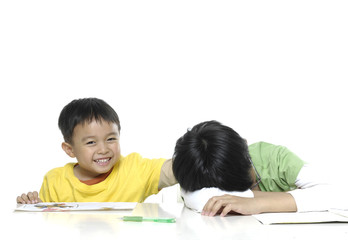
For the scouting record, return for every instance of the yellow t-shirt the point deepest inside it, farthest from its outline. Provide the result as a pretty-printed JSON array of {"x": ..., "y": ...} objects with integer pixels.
[{"x": 132, "y": 179}]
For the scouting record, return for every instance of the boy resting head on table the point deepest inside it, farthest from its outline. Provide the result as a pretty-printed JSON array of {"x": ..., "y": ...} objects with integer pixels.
[
  {"x": 219, "y": 173},
  {"x": 91, "y": 131}
]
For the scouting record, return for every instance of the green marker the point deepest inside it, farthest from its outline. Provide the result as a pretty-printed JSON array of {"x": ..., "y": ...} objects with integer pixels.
[{"x": 142, "y": 219}]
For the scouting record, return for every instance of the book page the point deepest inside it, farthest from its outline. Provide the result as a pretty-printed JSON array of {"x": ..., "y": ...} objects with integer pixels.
[
  {"x": 75, "y": 206},
  {"x": 304, "y": 217}
]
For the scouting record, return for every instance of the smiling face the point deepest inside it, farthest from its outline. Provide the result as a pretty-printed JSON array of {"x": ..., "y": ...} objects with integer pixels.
[{"x": 96, "y": 147}]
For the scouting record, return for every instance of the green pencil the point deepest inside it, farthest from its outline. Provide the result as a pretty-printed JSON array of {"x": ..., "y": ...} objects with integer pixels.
[{"x": 143, "y": 219}]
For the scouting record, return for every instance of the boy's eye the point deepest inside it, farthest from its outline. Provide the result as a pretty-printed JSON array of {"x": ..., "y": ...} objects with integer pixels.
[
  {"x": 90, "y": 142},
  {"x": 112, "y": 139}
]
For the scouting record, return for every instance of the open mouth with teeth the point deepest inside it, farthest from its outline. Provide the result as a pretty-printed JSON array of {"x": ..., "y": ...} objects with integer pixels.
[{"x": 102, "y": 161}]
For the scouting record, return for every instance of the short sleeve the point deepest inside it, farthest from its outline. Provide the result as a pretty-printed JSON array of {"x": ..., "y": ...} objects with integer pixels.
[
  {"x": 277, "y": 166},
  {"x": 151, "y": 169},
  {"x": 141, "y": 175}
]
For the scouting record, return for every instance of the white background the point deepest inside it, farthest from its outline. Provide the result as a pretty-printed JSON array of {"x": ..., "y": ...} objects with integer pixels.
[{"x": 274, "y": 71}]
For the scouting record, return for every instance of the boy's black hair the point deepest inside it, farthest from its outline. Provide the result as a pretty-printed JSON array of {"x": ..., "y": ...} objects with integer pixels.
[
  {"x": 82, "y": 111},
  {"x": 212, "y": 155}
]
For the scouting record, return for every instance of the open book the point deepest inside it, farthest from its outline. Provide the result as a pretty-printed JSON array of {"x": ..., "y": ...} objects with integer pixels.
[
  {"x": 333, "y": 215},
  {"x": 75, "y": 206}
]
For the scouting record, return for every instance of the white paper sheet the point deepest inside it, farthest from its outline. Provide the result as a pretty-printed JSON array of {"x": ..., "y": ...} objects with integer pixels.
[
  {"x": 341, "y": 212},
  {"x": 75, "y": 206},
  {"x": 303, "y": 217}
]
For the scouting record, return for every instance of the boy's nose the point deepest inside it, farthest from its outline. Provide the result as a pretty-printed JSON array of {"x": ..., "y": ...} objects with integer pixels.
[{"x": 103, "y": 149}]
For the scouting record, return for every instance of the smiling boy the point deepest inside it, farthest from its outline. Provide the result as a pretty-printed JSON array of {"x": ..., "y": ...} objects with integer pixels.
[
  {"x": 91, "y": 131},
  {"x": 97, "y": 148}
]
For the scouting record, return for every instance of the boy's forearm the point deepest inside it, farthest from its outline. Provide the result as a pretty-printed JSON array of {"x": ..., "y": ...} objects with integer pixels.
[
  {"x": 167, "y": 177},
  {"x": 275, "y": 202}
]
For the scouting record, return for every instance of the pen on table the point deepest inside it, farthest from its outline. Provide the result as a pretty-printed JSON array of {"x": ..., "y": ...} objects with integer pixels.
[{"x": 145, "y": 219}]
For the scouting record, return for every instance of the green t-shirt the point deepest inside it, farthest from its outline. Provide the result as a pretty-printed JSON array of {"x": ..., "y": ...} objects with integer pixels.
[{"x": 278, "y": 167}]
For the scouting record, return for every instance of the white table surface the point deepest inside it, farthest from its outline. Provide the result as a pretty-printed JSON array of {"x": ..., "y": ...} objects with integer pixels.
[{"x": 189, "y": 225}]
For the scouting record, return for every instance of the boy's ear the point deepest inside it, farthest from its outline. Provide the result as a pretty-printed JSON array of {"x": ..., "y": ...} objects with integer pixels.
[{"x": 68, "y": 149}]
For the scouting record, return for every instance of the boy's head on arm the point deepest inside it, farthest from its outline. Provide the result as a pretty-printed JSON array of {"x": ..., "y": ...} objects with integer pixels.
[
  {"x": 212, "y": 155},
  {"x": 90, "y": 128}
]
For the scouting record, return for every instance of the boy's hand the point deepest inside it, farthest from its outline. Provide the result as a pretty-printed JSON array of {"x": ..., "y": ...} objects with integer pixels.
[
  {"x": 228, "y": 203},
  {"x": 261, "y": 202},
  {"x": 29, "y": 198}
]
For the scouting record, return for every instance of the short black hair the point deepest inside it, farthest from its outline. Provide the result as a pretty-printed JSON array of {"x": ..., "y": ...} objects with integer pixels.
[
  {"x": 85, "y": 110},
  {"x": 212, "y": 155}
]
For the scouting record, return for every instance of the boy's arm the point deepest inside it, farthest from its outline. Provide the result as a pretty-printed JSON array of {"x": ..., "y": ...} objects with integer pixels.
[
  {"x": 275, "y": 201},
  {"x": 262, "y": 202},
  {"x": 167, "y": 177}
]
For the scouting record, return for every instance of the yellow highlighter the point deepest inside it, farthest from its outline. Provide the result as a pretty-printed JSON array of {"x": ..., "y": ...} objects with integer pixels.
[{"x": 143, "y": 219}]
